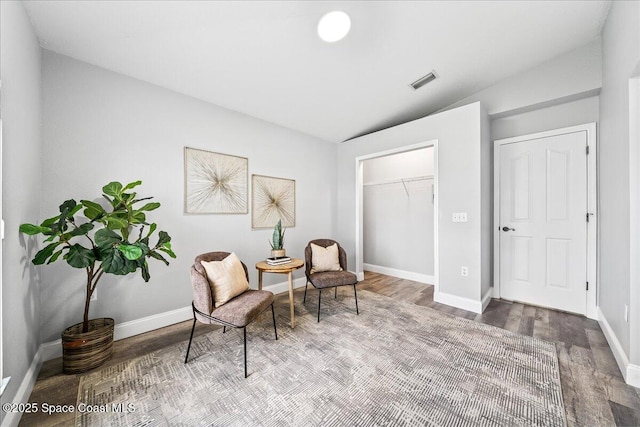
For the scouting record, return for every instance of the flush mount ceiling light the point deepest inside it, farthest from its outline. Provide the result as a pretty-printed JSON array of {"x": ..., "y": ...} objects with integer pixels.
[
  {"x": 333, "y": 26},
  {"x": 424, "y": 80}
]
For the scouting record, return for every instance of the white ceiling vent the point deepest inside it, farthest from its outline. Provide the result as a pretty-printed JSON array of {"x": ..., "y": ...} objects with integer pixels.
[{"x": 424, "y": 80}]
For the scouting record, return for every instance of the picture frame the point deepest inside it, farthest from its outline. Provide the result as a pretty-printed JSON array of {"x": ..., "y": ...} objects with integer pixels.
[
  {"x": 215, "y": 183},
  {"x": 272, "y": 199}
]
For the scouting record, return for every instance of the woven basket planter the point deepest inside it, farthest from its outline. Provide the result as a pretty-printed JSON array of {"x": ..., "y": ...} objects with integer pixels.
[{"x": 82, "y": 352}]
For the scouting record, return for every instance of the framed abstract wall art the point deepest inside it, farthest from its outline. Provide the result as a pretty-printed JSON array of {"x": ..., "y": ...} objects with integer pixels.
[
  {"x": 273, "y": 199},
  {"x": 215, "y": 183}
]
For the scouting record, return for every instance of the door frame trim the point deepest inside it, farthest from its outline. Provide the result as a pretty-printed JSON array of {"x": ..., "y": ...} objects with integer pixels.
[
  {"x": 592, "y": 206},
  {"x": 359, "y": 181}
]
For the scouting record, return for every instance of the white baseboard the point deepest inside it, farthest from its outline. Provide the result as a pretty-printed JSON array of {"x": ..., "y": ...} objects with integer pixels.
[
  {"x": 359, "y": 275},
  {"x": 51, "y": 350},
  {"x": 459, "y": 302},
  {"x": 487, "y": 299},
  {"x": 24, "y": 391},
  {"x": 402, "y": 274},
  {"x": 631, "y": 373}
]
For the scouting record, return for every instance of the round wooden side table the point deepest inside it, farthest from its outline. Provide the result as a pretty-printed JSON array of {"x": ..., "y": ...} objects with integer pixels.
[{"x": 288, "y": 268}]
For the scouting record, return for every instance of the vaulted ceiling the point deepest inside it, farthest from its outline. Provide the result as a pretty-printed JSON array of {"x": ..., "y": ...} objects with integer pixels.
[{"x": 265, "y": 59}]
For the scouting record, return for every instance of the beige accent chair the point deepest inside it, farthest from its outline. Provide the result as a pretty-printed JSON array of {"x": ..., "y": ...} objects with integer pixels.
[
  {"x": 238, "y": 312},
  {"x": 328, "y": 279}
]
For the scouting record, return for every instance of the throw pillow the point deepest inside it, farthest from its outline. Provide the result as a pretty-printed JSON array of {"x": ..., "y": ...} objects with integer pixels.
[
  {"x": 324, "y": 259},
  {"x": 227, "y": 278}
]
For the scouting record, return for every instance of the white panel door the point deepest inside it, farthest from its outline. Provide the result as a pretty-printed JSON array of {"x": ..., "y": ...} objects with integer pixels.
[{"x": 543, "y": 226}]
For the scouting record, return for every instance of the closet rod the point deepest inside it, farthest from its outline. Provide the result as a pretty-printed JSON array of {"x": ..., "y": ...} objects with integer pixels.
[{"x": 401, "y": 181}]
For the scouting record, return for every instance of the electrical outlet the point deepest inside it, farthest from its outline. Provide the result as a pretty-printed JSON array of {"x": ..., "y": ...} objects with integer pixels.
[
  {"x": 464, "y": 271},
  {"x": 459, "y": 217},
  {"x": 626, "y": 313}
]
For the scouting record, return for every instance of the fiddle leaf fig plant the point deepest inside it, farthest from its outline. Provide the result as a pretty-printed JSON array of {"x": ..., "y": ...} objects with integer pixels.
[{"x": 102, "y": 240}]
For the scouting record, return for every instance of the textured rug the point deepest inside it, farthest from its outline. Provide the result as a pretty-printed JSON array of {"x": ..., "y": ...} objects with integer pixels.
[{"x": 395, "y": 364}]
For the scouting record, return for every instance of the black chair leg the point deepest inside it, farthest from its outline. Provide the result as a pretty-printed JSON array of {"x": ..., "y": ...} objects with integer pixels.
[
  {"x": 305, "y": 292},
  {"x": 245, "y": 351},
  {"x": 224, "y": 329},
  {"x": 193, "y": 328},
  {"x": 319, "y": 299},
  {"x": 336, "y": 293},
  {"x": 355, "y": 293},
  {"x": 275, "y": 331}
]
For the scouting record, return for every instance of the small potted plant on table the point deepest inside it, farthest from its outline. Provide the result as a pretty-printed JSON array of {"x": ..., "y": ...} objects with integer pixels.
[
  {"x": 102, "y": 240},
  {"x": 277, "y": 241}
]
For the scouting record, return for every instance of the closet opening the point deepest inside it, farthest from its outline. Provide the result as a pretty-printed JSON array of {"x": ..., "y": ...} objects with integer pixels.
[{"x": 396, "y": 207}]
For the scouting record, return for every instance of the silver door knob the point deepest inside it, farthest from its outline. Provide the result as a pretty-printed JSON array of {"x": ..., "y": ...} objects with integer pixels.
[{"x": 508, "y": 229}]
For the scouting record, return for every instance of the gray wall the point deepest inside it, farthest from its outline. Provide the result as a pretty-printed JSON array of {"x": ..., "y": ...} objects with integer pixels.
[
  {"x": 21, "y": 139},
  {"x": 621, "y": 57},
  {"x": 101, "y": 126},
  {"x": 459, "y": 137},
  {"x": 398, "y": 218}
]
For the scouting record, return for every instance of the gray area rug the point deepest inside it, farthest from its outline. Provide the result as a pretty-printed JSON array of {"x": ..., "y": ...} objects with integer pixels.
[{"x": 395, "y": 364}]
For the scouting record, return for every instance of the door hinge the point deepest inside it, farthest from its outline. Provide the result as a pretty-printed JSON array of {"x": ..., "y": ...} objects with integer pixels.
[
  {"x": 587, "y": 150},
  {"x": 587, "y": 216},
  {"x": 587, "y": 285}
]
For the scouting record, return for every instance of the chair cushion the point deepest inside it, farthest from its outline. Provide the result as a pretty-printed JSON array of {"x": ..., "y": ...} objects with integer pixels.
[
  {"x": 330, "y": 279},
  {"x": 244, "y": 308},
  {"x": 324, "y": 259},
  {"x": 227, "y": 278}
]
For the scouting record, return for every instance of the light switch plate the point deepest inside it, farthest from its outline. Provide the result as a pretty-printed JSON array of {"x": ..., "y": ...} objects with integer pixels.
[{"x": 459, "y": 217}]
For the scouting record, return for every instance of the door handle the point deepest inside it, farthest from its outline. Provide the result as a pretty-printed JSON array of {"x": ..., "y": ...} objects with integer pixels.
[{"x": 508, "y": 229}]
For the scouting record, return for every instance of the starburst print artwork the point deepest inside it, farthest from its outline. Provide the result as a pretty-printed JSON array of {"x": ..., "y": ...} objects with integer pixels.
[
  {"x": 214, "y": 182},
  {"x": 273, "y": 200}
]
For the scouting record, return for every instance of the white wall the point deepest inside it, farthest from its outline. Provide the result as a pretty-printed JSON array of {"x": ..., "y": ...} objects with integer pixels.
[
  {"x": 567, "y": 114},
  {"x": 101, "y": 126},
  {"x": 458, "y": 133},
  {"x": 20, "y": 106},
  {"x": 570, "y": 76},
  {"x": 398, "y": 217},
  {"x": 621, "y": 58}
]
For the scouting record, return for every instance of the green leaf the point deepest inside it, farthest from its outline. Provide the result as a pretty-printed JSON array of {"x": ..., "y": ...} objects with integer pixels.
[
  {"x": 66, "y": 207},
  {"x": 50, "y": 221},
  {"x": 45, "y": 253},
  {"x": 74, "y": 211},
  {"x": 130, "y": 252},
  {"x": 131, "y": 185},
  {"x": 80, "y": 257},
  {"x": 54, "y": 257},
  {"x": 163, "y": 237},
  {"x": 113, "y": 262},
  {"x": 105, "y": 237},
  {"x": 139, "y": 217},
  {"x": 144, "y": 270},
  {"x": 150, "y": 206},
  {"x": 112, "y": 189},
  {"x": 81, "y": 230},
  {"x": 156, "y": 255},
  {"x": 152, "y": 228},
  {"x": 116, "y": 223},
  {"x": 92, "y": 210},
  {"x": 167, "y": 249},
  {"x": 31, "y": 229}
]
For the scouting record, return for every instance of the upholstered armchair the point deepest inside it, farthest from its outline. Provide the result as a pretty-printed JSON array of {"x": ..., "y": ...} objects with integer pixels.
[
  {"x": 214, "y": 304},
  {"x": 326, "y": 267}
]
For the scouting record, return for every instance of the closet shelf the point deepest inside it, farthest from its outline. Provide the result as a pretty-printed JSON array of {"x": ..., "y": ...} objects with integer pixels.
[{"x": 400, "y": 181}]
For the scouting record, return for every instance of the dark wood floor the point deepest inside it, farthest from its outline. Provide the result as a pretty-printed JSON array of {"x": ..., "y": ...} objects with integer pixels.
[{"x": 593, "y": 388}]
